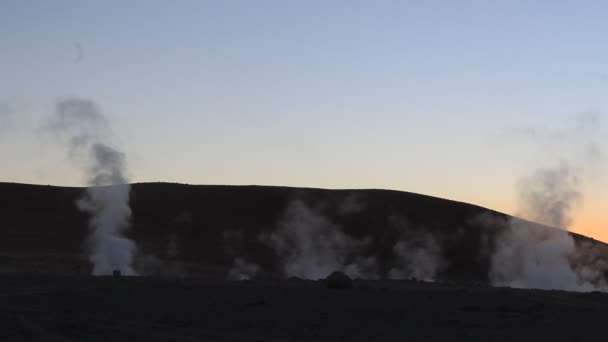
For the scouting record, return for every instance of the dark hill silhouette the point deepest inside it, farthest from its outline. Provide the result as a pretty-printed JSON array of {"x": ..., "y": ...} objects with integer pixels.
[{"x": 42, "y": 230}]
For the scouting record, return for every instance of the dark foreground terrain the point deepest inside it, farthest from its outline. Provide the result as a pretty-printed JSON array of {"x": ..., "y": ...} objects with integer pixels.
[{"x": 41, "y": 308}]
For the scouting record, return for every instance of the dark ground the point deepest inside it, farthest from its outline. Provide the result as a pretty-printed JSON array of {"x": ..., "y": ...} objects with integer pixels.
[{"x": 39, "y": 308}]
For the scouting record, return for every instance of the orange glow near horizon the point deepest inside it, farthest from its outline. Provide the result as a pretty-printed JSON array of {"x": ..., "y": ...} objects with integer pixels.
[
  {"x": 591, "y": 226},
  {"x": 589, "y": 221}
]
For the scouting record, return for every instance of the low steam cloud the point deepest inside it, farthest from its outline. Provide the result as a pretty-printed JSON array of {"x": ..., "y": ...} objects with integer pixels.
[
  {"x": 311, "y": 247},
  {"x": 418, "y": 258},
  {"x": 242, "y": 268},
  {"x": 417, "y": 253},
  {"x": 87, "y": 134}
]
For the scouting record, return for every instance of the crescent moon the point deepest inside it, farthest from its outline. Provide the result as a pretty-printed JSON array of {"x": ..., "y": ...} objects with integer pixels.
[{"x": 79, "y": 52}]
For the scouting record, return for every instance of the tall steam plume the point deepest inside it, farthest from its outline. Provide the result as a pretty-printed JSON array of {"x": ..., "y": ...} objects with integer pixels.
[
  {"x": 87, "y": 134},
  {"x": 528, "y": 256},
  {"x": 532, "y": 257}
]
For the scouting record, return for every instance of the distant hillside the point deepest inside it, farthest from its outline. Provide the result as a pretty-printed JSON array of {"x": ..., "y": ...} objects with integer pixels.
[{"x": 200, "y": 230}]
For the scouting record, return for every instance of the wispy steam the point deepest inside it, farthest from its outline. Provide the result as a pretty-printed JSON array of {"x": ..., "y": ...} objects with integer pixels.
[
  {"x": 242, "y": 268},
  {"x": 417, "y": 253},
  {"x": 311, "y": 247},
  {"x": 86, "y": 133},
  {"x": 550, "y": 195}
]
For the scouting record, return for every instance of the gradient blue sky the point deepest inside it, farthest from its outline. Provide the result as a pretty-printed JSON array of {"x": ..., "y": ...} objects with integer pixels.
[{"x": 457, "y": 99}]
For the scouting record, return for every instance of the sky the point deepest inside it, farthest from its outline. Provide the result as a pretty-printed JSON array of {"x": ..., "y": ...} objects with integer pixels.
[{"x": 455, "y": 99}]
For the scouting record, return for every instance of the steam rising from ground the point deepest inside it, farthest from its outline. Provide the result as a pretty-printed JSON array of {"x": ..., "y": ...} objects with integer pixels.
[
  {"x": 418, "y": 256},
  {"x": 528, "y": 256},
  {"x": 242, "y": 268},
  {"x": 311, "y": 247},
  {"x": 86, "y": 134}
]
